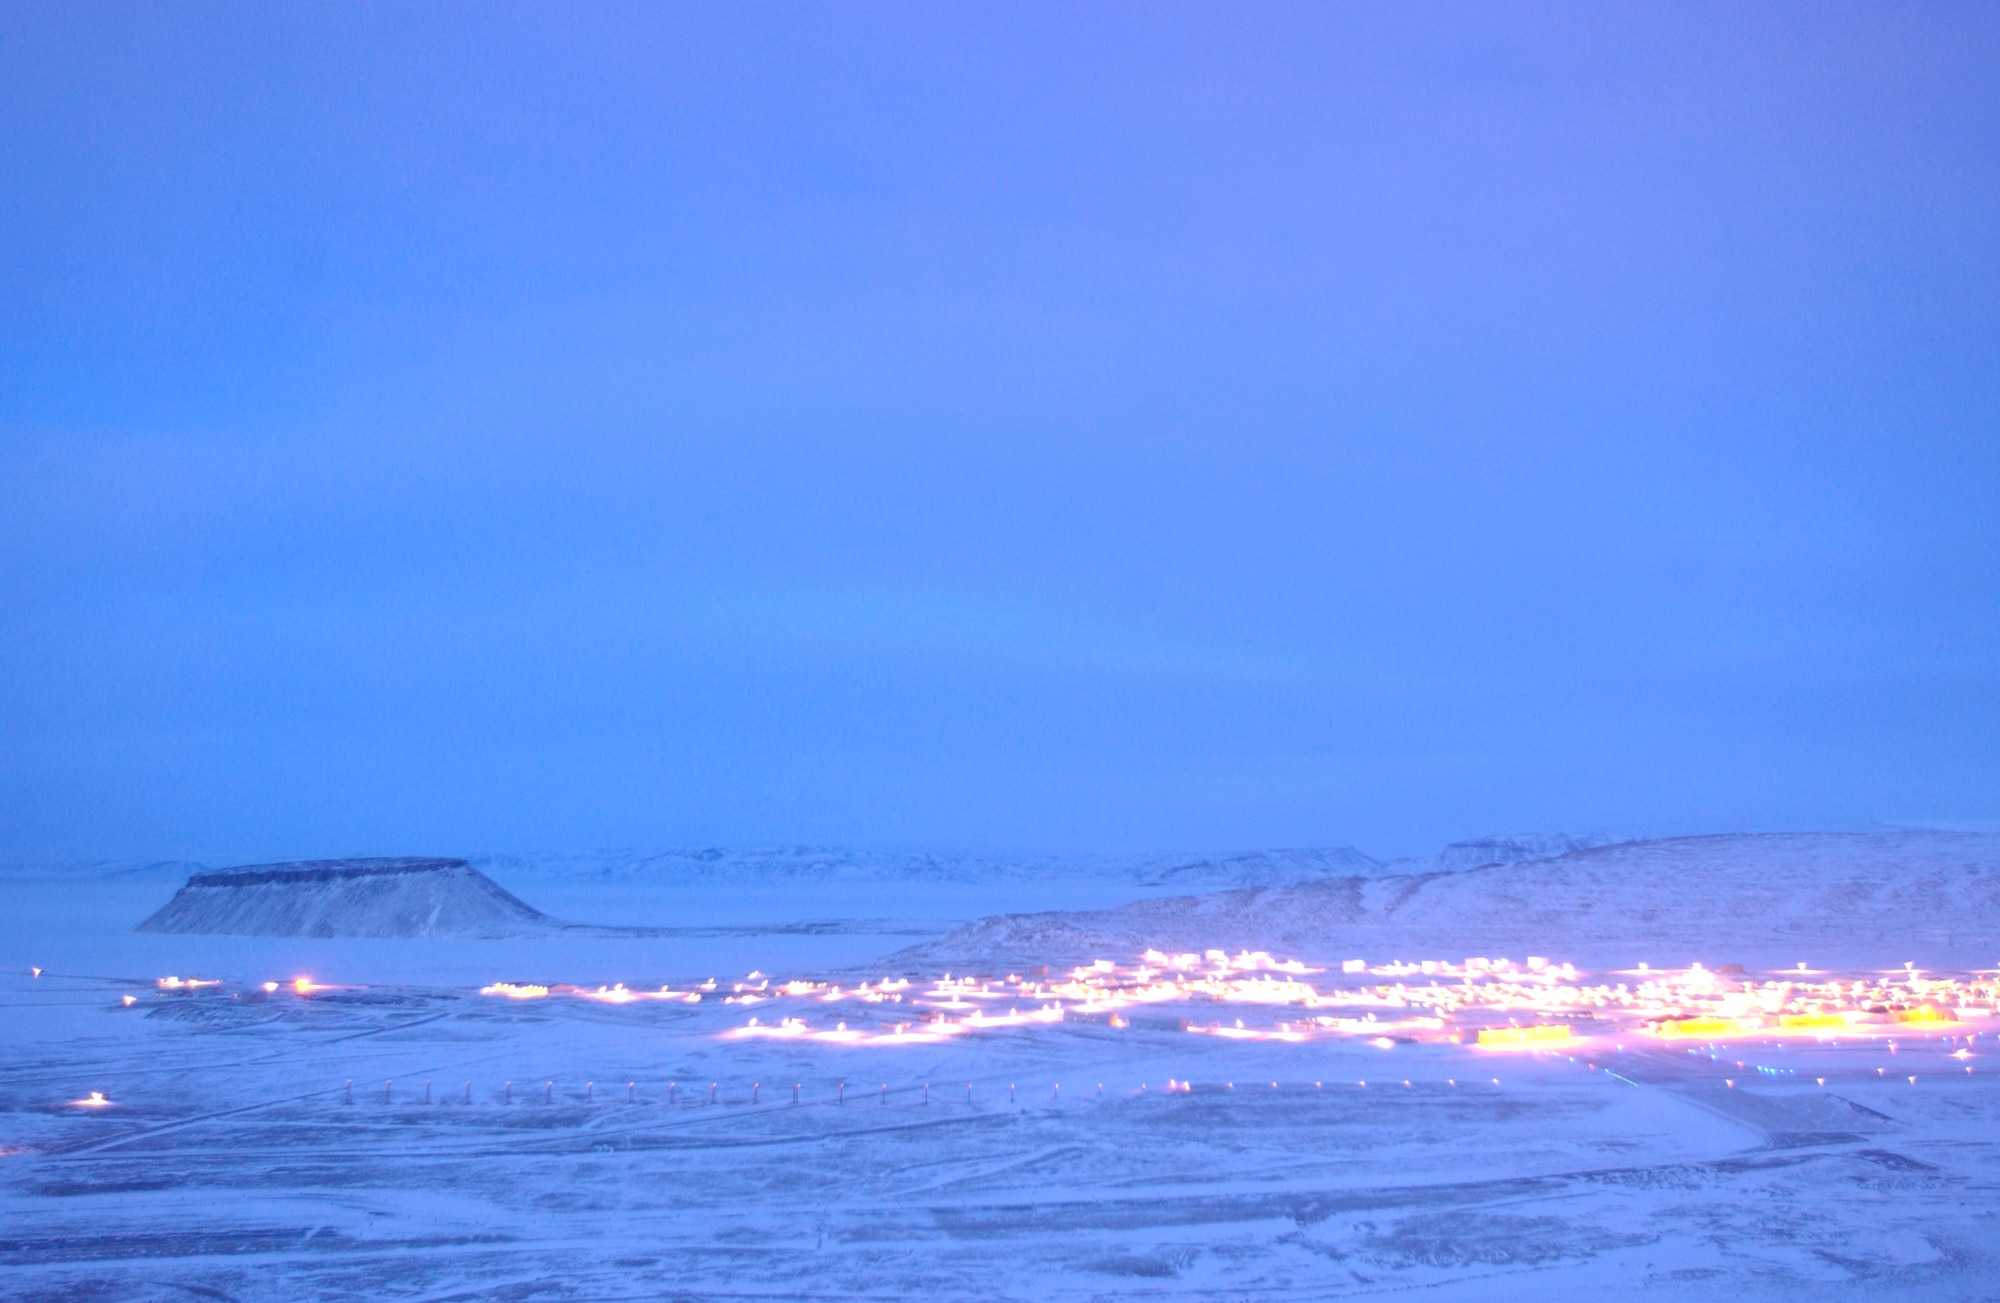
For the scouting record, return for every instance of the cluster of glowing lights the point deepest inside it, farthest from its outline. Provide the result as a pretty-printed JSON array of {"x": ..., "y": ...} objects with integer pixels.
[
  {"x": 195, "y": 985},
  {"x": 1494, "y": 1004},
  {"x": 619, "y": 994},
  {"x": 1514, "y": 1037}
]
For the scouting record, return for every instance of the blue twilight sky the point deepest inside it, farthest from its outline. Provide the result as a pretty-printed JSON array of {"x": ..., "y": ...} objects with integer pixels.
[{"x": 462, "y": 427}]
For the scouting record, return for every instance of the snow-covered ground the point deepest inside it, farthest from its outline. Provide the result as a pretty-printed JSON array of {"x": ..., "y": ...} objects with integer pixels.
[{"x": 232, "y": 1159}]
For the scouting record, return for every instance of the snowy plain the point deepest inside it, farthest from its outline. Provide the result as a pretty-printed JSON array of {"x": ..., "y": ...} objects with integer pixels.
[{"x": 392, "y": 1132}]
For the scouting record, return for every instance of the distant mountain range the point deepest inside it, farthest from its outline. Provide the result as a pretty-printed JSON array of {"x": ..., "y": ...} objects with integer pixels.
[
  {"x": 1193, "y": 871},
  {"x": 423, "y": 897}
]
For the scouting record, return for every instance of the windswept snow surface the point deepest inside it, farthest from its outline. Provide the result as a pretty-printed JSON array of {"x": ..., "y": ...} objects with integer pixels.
[{"x": 639, "y": 1145}]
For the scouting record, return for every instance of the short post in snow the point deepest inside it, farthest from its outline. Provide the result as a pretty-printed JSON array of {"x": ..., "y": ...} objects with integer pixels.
[
  {"x": 927, "y": 1092},
  {"x": 549, "y": 1093},
  {"x": 427, "y": 1092},
  {"x": 507, "y": 1093},
  {"x": 841, "y": 1094},
  {"x": 347, "y": 1095},
  {"x": 671, "y": 1087},
  {"x": 1010, "y": 1092},
  {"x": 754, "y": 1086},
  {"x": 468, "y": 1092},
  {"x": 795, "y": 1092},
  {"x": 711, "y": 1092},
  {"x": 885, "y": 1092},
  {"x": 385, "y": 1091},
  {"x": 630, "y": 1087}
]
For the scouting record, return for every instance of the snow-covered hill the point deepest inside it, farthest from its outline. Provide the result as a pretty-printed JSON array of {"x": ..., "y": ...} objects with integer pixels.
[
  {"x": 348, "y": 898},
  {"x": 1770, "y": 900}
]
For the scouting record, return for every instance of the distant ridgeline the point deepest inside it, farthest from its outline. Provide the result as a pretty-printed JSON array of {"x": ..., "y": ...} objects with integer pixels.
[
  {"x": 1195, "y": 872},
  {"x": 1773, "y": 900},
  {"x": 402, "y": 897}
]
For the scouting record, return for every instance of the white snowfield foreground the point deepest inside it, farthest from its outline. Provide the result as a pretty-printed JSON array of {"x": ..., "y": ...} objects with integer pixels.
[{"x": 740, "y": 1106}]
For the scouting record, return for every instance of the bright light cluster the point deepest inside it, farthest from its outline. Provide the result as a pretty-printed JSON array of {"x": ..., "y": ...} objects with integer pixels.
[
  {"x": 619, "y": 994},
  {"x": 1496, "y": 1004}
]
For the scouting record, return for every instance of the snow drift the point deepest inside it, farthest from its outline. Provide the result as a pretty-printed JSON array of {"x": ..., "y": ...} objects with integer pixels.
[{"x": 349, "y": 898}]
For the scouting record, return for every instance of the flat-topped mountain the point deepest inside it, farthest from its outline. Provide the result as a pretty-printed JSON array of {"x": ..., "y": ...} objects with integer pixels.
[{"x": 386, "y": 897}]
